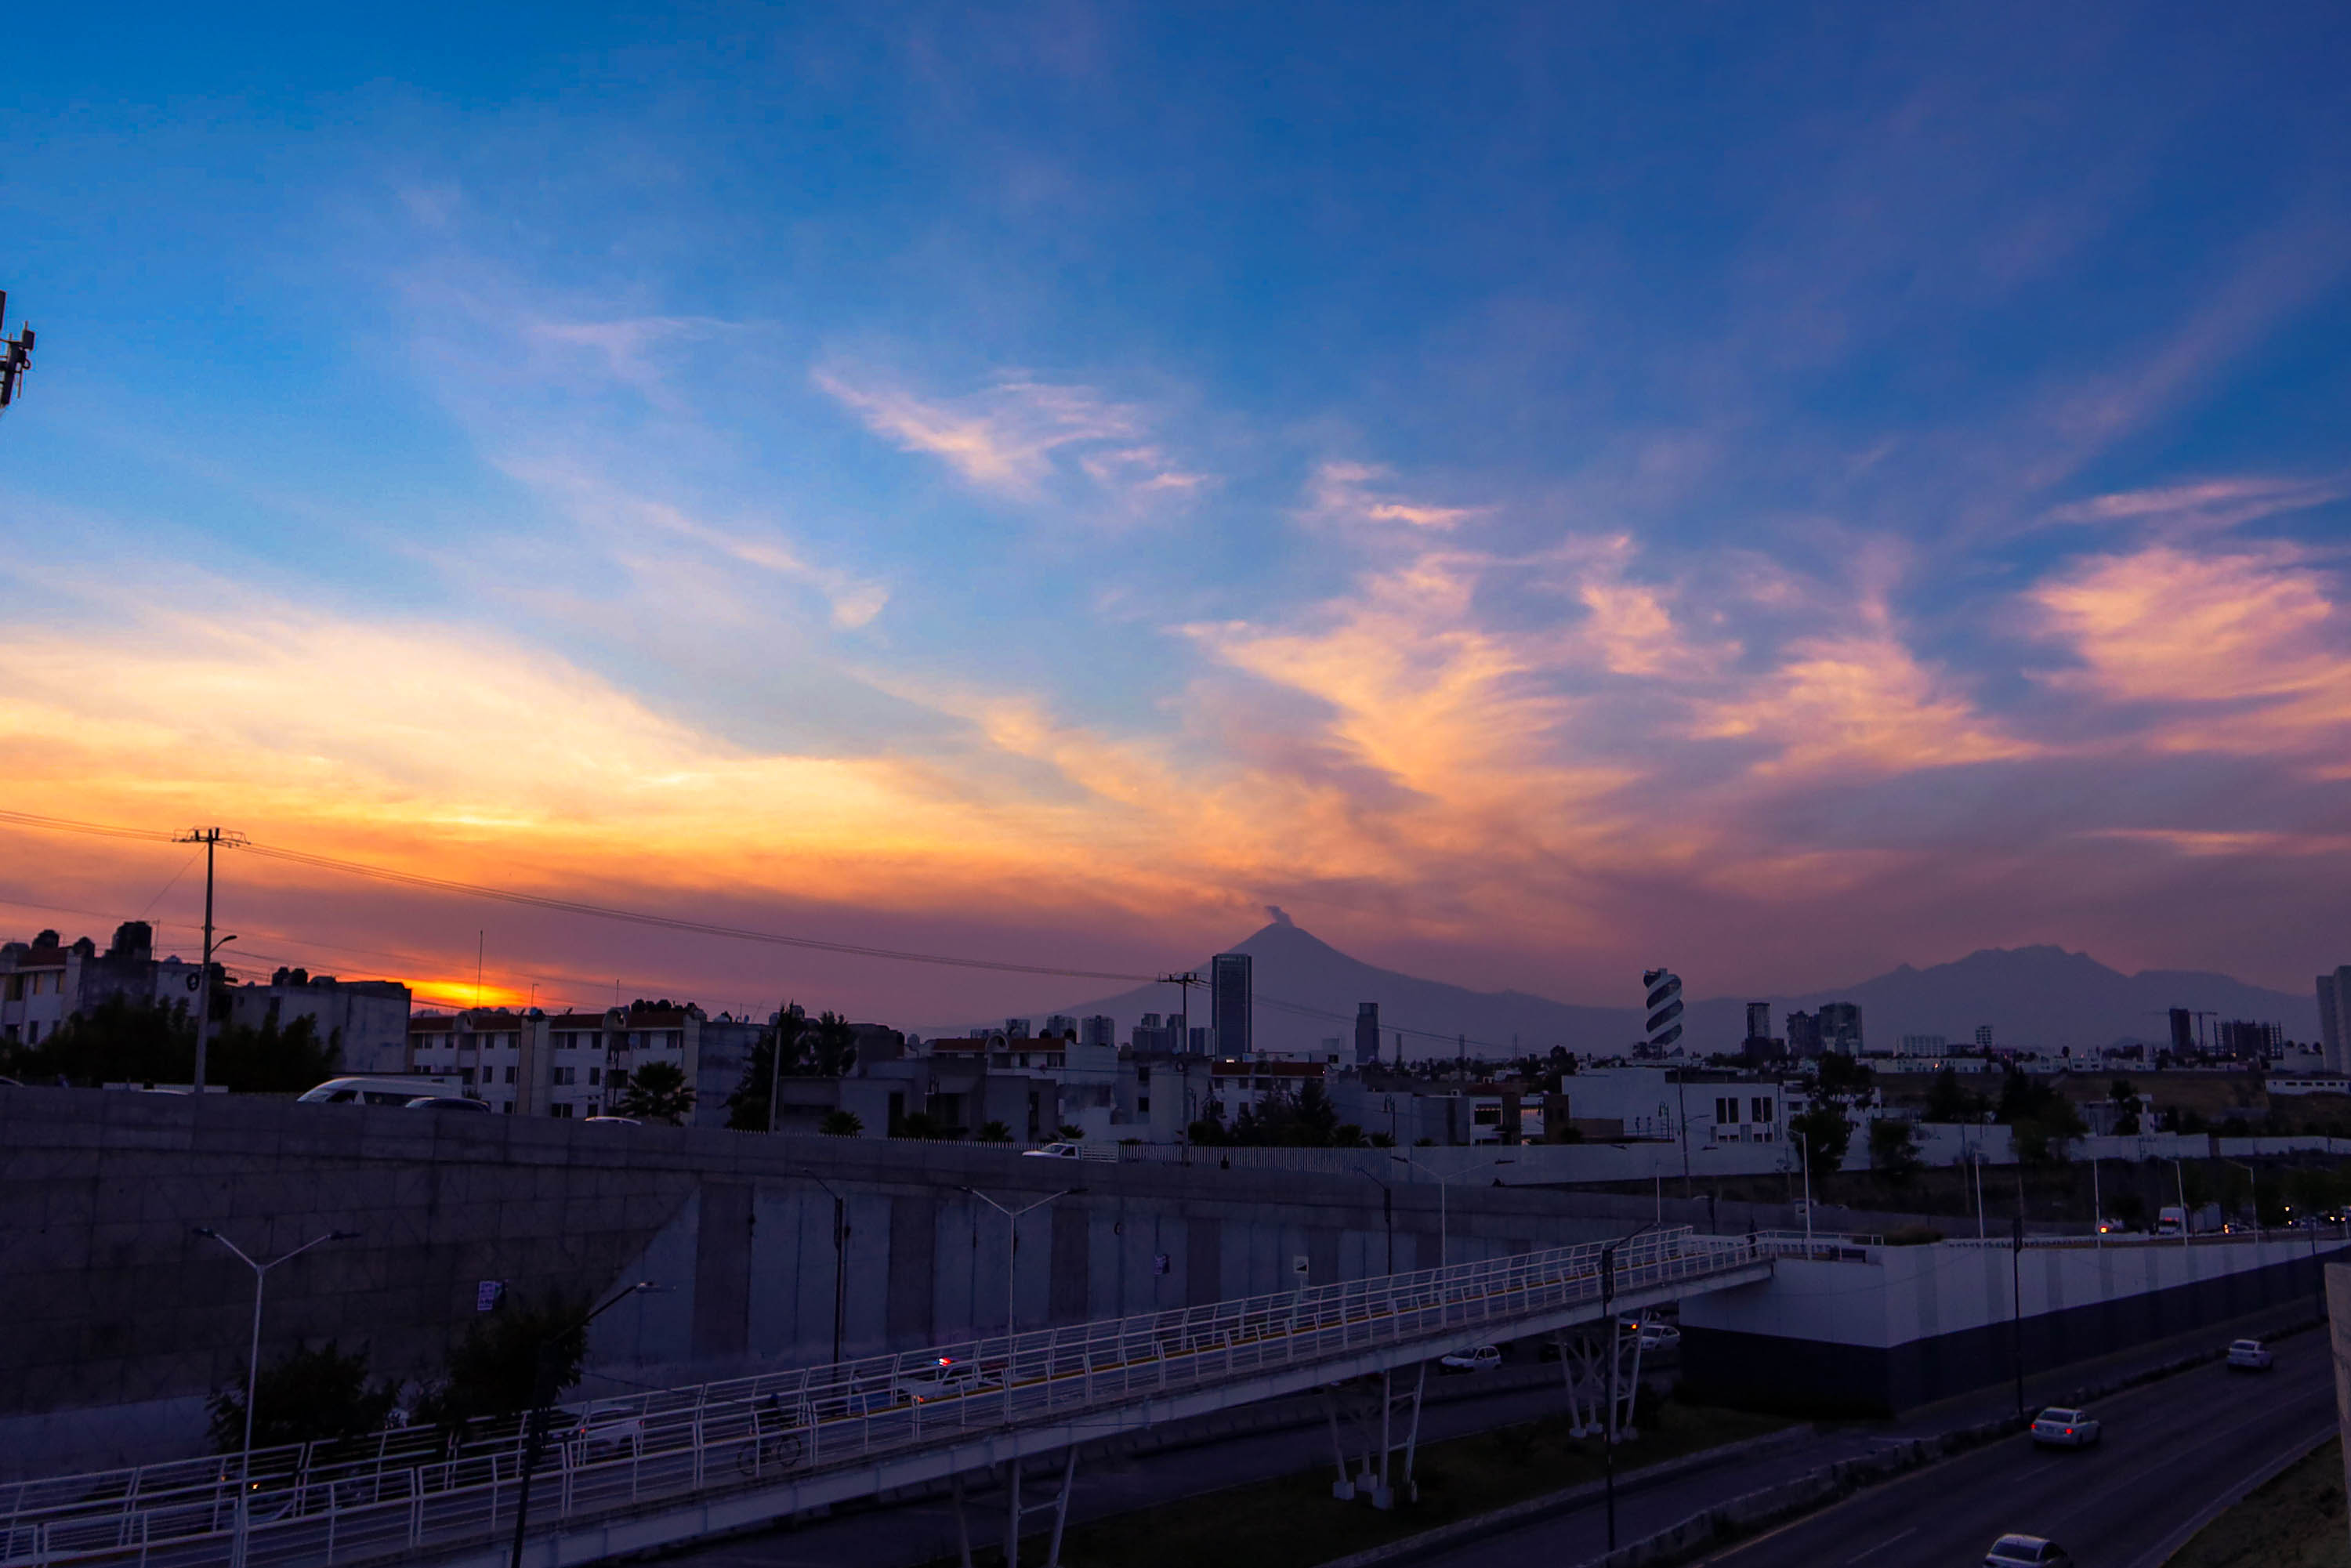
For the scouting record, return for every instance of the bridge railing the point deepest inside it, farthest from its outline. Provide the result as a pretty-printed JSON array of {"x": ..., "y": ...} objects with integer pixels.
[{"x": 314, "y": 1506}]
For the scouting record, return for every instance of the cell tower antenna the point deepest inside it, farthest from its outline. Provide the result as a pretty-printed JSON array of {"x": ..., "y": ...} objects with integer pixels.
[{"x": 15, "y": 355}]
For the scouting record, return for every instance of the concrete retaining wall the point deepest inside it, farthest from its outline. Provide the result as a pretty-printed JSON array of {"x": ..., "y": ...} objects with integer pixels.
[
  {"x": 1892, "y": 1328},
  {"x": 125, "y": 1319}
]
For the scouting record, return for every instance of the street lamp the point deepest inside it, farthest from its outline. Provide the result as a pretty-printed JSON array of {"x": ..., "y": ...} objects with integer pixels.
[
  {"x": 1615, "y": 1355},
  {"x": 1444, "y": 1245},
  {"x": 1012, "y": 1245},
  {"x": 542, "y": 1394},
  {"x": 253, "y": 1358},
  {"x": 260, "y": 1274},
  {"x": 2180, "y": 1176},
  {"x": 839, "y": 1256}
]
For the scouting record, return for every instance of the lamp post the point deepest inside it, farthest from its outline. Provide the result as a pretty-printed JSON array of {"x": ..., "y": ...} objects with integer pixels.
[
  {"x": 2180, "y": 1176},
  {"x": 839, "y": 1257},
  {"x": 252, "y": 1355},
  {"x": 2253, "y": 1190},
  {"x": 1013, "y": 1247},
  {"x": 1615, "y": 1355},
  {"x": 542, "y": 1394},
  {"x": 1444, "y": 1242},
  {"x": 1387, "y": 1213}
]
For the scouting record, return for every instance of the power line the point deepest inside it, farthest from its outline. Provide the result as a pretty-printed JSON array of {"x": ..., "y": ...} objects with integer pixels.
[
  {"x": 674, "y": 923},
  {"x": 578, "y": 906}
]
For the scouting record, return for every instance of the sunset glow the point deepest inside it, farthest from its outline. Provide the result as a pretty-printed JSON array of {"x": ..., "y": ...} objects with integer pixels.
[{"x": 1026, "y": 496}]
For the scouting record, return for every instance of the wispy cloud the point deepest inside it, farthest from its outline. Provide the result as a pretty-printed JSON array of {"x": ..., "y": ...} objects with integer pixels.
[
  {"x": 1344, "y": 493},
  {"x": 2242, "y": 649},
  {"x": 1017, "y": 434}
]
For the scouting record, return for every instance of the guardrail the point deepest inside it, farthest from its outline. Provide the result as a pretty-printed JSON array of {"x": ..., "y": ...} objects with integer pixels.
[{"x": 407, "y": 1494}]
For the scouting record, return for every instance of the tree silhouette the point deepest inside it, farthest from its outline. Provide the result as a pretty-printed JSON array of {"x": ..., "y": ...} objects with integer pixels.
[{"x": 658, "y": 1093}]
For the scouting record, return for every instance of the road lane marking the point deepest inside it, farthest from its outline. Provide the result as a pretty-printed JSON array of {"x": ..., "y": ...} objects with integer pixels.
[{"x": 1882, "y": 1545}]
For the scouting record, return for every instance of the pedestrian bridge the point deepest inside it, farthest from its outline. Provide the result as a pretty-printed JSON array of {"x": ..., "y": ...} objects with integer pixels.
[{"x": 661, "y": 1469}]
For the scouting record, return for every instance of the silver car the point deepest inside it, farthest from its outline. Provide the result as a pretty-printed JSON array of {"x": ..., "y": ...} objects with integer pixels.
[
  {"x": 2026, "y": 1552},
  {"x": 2249, "y": 1356},
  {"x": 2061, "y": 1428}
]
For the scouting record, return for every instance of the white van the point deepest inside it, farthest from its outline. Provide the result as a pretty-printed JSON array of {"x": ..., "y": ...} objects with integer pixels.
[{"x": 379, "y": 1091}]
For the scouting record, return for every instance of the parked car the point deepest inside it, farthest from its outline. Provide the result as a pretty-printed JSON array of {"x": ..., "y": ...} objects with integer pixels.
[
  {"x": 2026, "y": 1552},
  {"x": 2249, "y": 1356},
  {"x": 373, "y": 1090},
  {"x": 947, "y": 1379},
  {"x": 1071, "y": 1152},
  {"x": 447, "y": 1103},
  {"x": 1477, "y": 1358},
  {"x": 2060, "y": 1428}
]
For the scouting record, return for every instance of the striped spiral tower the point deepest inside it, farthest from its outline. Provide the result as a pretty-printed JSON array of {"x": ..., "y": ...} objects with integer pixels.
[{"x": 1664, "y": 1011}]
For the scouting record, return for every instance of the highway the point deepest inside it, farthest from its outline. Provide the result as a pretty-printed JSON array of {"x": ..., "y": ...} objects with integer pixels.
[{"x": 2169, "y": 1450}]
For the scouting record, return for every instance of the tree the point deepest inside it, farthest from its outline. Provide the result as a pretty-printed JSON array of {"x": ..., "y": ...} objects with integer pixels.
[
  {"x": 747, "y": 1109},
  {"x": 1845, "y": 1076},
  {"x": 658, "y": 1093},
  {"x": 494, "y": 1370},
  {"x": 117, "y": 1042},
  {"x": 992, "y": 1133},
  {"x": 842, "y": 1124},
  {"x": 1894, "y": 1151},
  {"x": 1947, "y": 1099},
  {"x": 310, "y": 1396},
  {"x": 1825, "y": 1132},
  {"x": 834, "y": 1046}
]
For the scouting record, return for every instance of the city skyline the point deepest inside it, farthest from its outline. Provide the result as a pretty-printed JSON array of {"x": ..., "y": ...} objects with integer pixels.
[{"x": 1536, "y": 498}]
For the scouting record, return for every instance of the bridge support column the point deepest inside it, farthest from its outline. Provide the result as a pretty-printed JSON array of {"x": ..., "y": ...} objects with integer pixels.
[{"x": 1016, "y": 1513}]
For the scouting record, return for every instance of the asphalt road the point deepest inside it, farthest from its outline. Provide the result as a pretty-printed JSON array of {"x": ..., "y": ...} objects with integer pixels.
[
  {"x": 917, "y": 1533},
  {"x": 2169, "y": 1450}
]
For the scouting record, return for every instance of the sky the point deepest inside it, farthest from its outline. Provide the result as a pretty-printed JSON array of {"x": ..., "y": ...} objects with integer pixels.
[{"x": 1535, "y": 493}]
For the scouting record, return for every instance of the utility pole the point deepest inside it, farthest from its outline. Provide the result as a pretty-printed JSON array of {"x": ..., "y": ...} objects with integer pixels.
[
  {"x": 15, "y": 355},
  {"x": 212, "y": 839},
  {"x": 2016, "y": 1307},
  {"x": 1183, "y": 982}
]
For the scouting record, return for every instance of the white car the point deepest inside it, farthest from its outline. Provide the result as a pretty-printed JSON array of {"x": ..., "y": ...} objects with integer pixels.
[
  {"x": 2249, "y": 1356},
  {"x": 1660, "y": 1336},
  {"x": 2026, "y": 1552},
  {"x": 2061, "y": 1428},
  {"x": 945, "y": 1379},
  {"x": 1481, "y": 1358},
  {"x": 1068, "y": 1152},
  {"x": 602, "y": 1434}
]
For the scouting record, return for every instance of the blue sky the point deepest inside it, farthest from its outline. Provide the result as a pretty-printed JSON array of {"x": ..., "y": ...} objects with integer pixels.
[{"x": 1532, "y": 492}]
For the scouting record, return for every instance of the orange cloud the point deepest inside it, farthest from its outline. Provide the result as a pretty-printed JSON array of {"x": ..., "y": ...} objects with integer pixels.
[{"x": 2244, "y": 648}]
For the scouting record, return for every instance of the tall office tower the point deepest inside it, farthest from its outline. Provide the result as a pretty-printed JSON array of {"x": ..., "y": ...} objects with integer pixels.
[
  {"x": 2183, "y": 1032},
  {"x": 1983, "y": 1037},
  {"x": 1759, "y": 1021},
  {"x": 1228, "y": 1004},
  {"x": 1100, "y": 1029},
  {"x": 1367, "y": 1033},
  {"x": 1061, "y": 1026},
  {"x": 1804, "y": 1035},
  {"x": 1663, "y": 1008},
  {"x": 2335, "y": 1018},
  {"x": 1841, "y": 1028}
]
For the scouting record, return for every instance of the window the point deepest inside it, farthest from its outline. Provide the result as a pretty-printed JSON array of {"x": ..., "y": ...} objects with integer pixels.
[
  {"x": 1142, "y": 1104},
  {"x": 1487, "y": 1116},
  {"x": 595, "y": 1075},
  {"x": 560, "y": 1108},
  {"x": 33, "y": 1034},
  {"x": 1760, "y": 1107},
  {"x": 510, "y": 1073},
  {"x": 505, "y": 1107},
  {"x": 1727, "y": 1109}
]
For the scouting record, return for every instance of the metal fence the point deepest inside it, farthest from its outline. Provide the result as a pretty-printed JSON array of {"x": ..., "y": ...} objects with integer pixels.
[{"x": 410, "y": 1492}]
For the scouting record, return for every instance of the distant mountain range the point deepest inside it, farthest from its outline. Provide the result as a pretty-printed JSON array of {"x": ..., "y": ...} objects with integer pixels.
[{"x": 1306, "y": 991}]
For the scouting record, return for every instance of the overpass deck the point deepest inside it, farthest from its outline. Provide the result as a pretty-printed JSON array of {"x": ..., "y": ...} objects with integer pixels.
[{"x": 629, "y": 1475}]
